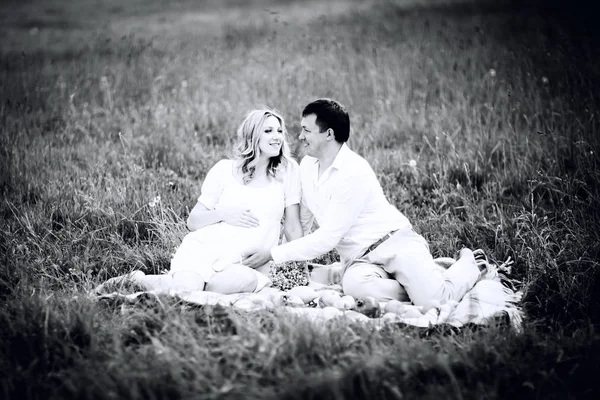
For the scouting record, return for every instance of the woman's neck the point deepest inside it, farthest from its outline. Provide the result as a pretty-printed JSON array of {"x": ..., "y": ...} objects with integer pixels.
[{"x": 261, "y": 167}]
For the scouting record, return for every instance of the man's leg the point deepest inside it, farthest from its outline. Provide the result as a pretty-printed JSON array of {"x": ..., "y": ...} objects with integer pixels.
[
  {"x": 406, "y": 257},
  {"x": 328, "y": 274},
  {"x": 363, "y": 279},
  {"x": 461, "y": 276}
]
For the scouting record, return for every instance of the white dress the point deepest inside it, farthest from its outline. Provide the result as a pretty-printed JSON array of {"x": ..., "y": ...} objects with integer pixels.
[{"x": 212, "y": 248}]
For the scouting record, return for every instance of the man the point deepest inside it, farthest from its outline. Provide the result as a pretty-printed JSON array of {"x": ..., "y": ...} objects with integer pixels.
[{"x": 382, "y": 256}]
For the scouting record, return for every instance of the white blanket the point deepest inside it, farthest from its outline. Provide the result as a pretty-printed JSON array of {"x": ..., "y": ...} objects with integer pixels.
[{"x": 490, "y": 297}]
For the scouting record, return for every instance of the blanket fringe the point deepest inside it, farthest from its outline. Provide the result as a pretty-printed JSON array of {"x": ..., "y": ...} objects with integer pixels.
[{"x": 509, "y": 299}]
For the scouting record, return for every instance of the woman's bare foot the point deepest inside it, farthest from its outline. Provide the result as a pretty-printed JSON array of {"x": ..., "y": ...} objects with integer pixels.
[{"x": 131, "y": 282}]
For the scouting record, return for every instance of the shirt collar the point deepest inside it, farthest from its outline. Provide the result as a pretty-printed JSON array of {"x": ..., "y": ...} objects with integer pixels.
[{"x": 341, "y": 157}]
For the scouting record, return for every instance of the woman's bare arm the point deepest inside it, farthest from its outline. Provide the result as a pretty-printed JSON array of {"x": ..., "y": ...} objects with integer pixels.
[
  {"x": 292, "y": 227},
  {"x": 200, "y": 216}
]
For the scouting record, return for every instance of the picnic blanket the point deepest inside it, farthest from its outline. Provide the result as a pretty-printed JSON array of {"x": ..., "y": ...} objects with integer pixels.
[{"x": 493, "y": 295}]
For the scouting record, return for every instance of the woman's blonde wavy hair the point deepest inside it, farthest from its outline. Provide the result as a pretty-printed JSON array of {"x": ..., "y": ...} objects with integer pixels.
[{"x": 247, "y": 151}]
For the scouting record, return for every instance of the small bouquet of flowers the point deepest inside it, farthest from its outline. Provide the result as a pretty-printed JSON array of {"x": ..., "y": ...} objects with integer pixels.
[{"x": 289, "y": 274}]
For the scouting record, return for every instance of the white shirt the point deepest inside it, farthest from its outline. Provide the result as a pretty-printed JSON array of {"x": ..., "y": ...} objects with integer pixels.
[
  {"x": 215, "y": 247},
  {"x": 223, "y": 176},
  {"x": 349, "y": 206},
  {"x": 222, "y": 188}
]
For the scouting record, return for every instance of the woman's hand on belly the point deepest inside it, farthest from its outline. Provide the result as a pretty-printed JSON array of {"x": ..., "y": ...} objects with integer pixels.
[{"x": 238, "y": 216}]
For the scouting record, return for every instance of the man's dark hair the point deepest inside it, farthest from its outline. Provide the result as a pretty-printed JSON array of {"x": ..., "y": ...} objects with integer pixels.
[{"x": 330, "y": 114}]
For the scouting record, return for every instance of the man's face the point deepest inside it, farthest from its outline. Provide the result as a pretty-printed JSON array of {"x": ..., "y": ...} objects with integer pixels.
[{"x": 313, "y": 140}]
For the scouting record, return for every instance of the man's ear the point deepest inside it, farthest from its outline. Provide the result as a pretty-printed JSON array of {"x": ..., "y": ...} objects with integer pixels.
[{"x": 330, "y": 134}]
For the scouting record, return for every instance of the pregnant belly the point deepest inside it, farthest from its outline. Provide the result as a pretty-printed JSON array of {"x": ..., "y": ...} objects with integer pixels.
[
  {"x": 229, "y": 243},
  {"x": 233, "y": 239}
]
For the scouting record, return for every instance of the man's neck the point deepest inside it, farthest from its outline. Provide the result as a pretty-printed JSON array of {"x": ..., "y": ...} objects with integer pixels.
[{"x": 328, "y": 157}]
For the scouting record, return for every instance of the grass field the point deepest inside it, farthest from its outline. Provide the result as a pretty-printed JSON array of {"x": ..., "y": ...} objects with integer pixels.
[{"x": 111, "y": 114}]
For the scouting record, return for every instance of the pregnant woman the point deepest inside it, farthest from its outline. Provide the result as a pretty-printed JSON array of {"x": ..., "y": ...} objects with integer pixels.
[{"x": 241, "y": 206}]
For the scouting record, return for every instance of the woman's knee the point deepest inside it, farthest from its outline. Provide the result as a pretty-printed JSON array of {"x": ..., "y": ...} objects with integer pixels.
[
  {"x": 187, "y": 281},
  {"x": 234, "y": 279}
]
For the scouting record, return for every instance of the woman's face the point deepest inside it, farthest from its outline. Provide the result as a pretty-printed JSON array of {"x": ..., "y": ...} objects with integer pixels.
[{"x": 271, "y": 138}]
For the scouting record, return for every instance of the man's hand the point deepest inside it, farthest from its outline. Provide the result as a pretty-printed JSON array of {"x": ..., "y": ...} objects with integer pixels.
[
  {"x": 256, "y": 258},
  {"x": 238, "y": 217}
]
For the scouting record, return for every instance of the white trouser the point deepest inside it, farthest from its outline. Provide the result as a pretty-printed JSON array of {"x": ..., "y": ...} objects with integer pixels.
[{"x": 402, "y": 267}]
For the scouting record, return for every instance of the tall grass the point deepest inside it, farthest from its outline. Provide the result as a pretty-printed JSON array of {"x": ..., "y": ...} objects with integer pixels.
[{"x": 108, "y": 127}]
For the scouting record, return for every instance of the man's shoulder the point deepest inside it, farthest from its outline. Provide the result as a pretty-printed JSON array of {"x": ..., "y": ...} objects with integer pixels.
[
  {"x": 353, "y": 156},
  {"x": 355, "y": 164}
]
